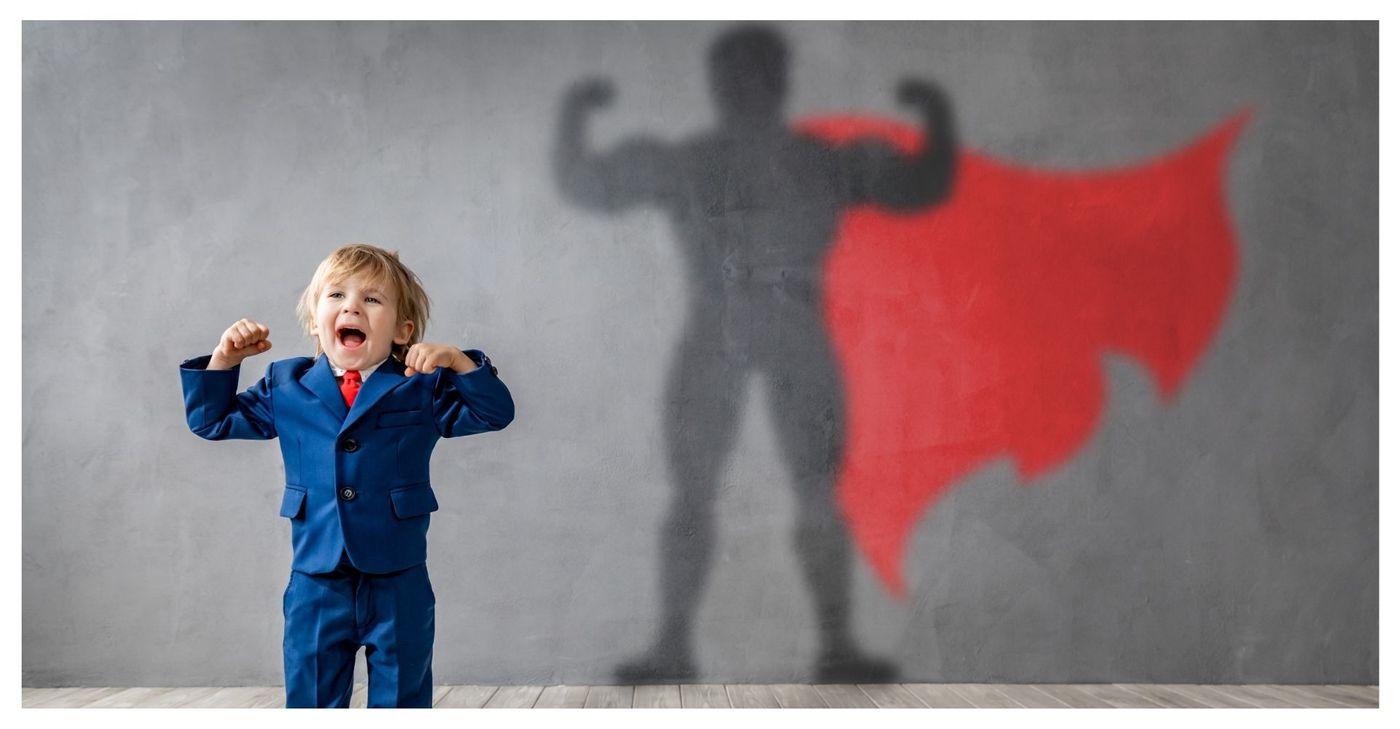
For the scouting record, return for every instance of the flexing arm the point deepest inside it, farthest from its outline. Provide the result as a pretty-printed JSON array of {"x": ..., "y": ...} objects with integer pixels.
[
  {"x": 635, "y": 172},
  {"x": 212, "y": 408},
  {"x": 907, "y": 183},
  {"x": 215, "y": 410},
  {"x": 475, "y": 401}
]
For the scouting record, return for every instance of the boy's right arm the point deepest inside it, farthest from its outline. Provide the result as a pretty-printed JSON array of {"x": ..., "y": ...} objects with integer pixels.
[{"x": 213, "y": 409}]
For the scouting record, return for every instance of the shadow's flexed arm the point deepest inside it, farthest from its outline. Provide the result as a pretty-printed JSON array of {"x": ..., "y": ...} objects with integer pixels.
[
  {"x": 638, "y": 171},
  {"x": 907, "y": 183}
]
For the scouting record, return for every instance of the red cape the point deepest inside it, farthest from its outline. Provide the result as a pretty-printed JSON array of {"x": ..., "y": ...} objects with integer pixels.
[{"x": 975, "y": 330}]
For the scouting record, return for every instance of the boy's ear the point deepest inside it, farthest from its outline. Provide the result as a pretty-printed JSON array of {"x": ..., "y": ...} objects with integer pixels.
[{"x": 405, "y": 332}]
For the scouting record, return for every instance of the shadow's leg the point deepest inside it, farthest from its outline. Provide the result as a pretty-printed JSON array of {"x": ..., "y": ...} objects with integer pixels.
[
  {"x": 806, "y": 398},
  {"x": 703, "y": 404}
]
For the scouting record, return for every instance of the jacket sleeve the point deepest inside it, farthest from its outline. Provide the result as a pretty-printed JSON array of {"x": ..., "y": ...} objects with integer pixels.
[
  {"x": 474, "y": 402},
  {"x": 215, "y": 411}
]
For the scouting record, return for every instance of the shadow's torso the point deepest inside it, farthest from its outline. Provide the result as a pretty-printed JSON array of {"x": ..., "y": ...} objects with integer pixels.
[{"x": 756, "y": 216}]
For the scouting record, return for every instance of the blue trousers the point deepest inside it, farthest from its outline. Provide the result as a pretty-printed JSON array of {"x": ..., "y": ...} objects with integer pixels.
[{"x": 327, "y": 617}]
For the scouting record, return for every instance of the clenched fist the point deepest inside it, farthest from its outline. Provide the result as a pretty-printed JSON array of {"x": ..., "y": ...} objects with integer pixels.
[
  {"x": 240, "y": 341},
  {"x": 925, "y": 95},
  {"x": 425, "y": 358},
  {"x": 589, "y": 94}
]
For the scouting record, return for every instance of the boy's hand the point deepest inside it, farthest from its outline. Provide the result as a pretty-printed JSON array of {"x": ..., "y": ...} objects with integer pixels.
[
  {"x": 240, "y": 341},
  {"x": 424, "y": 358}
]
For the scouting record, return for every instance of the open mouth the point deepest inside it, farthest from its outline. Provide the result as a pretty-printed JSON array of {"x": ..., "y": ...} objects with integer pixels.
[{"x": 350, "y": 337}]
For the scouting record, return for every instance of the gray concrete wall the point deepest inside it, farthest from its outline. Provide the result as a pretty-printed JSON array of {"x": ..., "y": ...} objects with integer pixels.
[{"x": 179, "y": 176}]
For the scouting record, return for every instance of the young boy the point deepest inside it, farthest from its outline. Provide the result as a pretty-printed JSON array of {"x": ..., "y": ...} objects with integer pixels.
[{"x": 357, "y": 425}]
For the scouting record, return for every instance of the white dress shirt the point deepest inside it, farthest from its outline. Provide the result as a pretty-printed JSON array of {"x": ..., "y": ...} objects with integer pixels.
[{"x": 364, "y": 373}]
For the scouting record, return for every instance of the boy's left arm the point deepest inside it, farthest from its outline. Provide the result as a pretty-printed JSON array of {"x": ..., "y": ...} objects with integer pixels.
[{"x": 468, "y": 397}]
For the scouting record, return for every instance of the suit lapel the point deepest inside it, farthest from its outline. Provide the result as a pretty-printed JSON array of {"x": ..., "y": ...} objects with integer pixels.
[
  {"x": 382, "y": 380},
  {"x": 321, "y": 380}
]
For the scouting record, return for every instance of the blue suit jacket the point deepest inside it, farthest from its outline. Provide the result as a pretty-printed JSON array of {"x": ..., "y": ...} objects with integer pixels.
[{"x": 356, "y": 480}]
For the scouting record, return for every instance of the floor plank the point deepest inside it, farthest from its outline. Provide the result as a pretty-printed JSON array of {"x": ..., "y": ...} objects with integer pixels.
[
  {"x": 514, "y": 697},
  {"x": 1030, "y": 697},
  {"x": 657, "y": 697},
  {"x": 891, "y": 696},
  {"x": 938, "y": 696},
  {"x": 797, "y": 696},
  {"x": 259, "y": 697},
  {"x": 179, "y": 697},
  {"x": 1308, "y": 696},
  {"x": 751, "y": 696},
  {"x": 48, "y": 698},
  {"x": 1368, "y": 694},
  {"x": 562, "y": 697},
  {"x": 83, "y": 697},
  {"x": 609, "y": 697},
  {"x": 704, "y": 696},
  {"x": 359, "y": 696},
  {"x": 225, "y": 697},
  {"x": 1070, "y": 694},
  {"x": 43, "y": 698},
  {"x": 269, "y": 697},
  {"x": 1117, "y": 697},
  {"x": 1214, "y": 697},
  {"x": 129, "y": 698},
  {"x": 1256, "y": 694},
  {"x": 1136, "y": 689},
  {"x": 466, "y": 697},
  {"x": 1066, "y": 694},
  {"x": 1165, "y": 695},
  {"x": 984, "y": 696},
  {"x": 1319, "y": 696},
  {"x": 844, "y": 696}
]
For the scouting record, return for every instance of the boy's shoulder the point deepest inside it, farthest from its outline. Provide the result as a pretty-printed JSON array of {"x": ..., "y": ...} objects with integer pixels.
[{"x": 289, "y": 370}]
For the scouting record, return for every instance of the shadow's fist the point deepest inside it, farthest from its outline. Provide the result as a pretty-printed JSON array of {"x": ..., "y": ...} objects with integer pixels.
[
  {"x": 923, "y": 94},
  {"x": 591, "y": 93}
]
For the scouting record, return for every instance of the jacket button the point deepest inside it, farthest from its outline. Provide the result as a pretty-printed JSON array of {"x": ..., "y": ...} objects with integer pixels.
[
  {"x": 350, "y": 445},
  {"x": 347, "y": 494}
]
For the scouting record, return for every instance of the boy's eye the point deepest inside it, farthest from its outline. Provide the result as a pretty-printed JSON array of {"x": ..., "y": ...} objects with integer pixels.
[
  {"x": 371, "y": 299},
  {"x": 335, "y": 294}
]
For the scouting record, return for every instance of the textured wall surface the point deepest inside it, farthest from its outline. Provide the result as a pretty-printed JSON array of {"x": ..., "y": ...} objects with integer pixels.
[{"x": 179, "y": 176}]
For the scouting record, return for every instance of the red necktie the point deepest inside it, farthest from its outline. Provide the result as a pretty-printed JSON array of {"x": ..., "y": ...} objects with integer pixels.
[{"x": 350, "y": 386}]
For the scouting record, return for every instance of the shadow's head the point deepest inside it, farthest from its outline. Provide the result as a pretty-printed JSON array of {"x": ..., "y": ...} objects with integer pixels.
[{"x": 748, "y": 74}]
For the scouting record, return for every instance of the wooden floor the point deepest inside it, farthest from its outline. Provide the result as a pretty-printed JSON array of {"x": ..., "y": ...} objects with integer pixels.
[{"x": 786, "y": 696}]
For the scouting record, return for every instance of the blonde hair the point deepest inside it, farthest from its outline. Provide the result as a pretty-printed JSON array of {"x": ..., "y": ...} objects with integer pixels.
[{"x": 380, "y": 267}]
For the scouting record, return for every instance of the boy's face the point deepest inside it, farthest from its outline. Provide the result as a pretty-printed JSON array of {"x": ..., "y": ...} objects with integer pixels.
[{"x": 357, "y": 322}]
